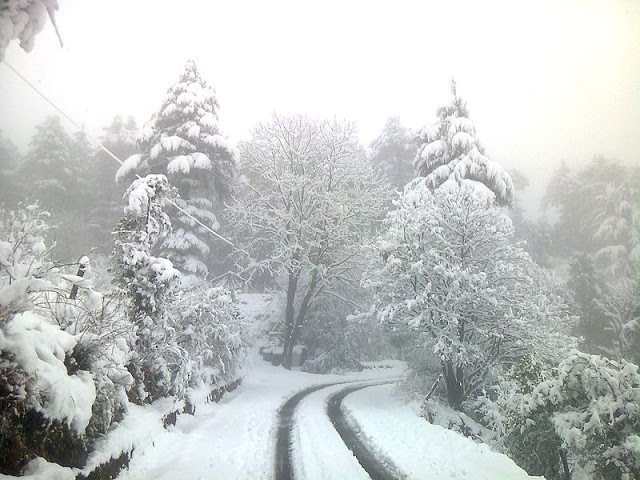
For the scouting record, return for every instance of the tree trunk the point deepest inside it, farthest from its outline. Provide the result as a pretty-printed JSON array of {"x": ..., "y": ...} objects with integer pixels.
[
  {"x": 289, "y": 322},
  {"x": 453, "y": 376}
]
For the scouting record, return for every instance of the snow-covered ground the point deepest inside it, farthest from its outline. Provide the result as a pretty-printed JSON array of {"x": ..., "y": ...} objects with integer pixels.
[
  {"x": 419, "y": 449},
  {"x": 233, "y": 439},
  {"x": 236, "y": 437}
]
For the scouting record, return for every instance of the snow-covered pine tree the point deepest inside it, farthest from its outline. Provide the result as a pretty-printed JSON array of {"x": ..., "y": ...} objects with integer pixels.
[
  {"x": 450, "y": 149},
  {"x": 393, "y": 151},
  {"x": 183, "y": 141}
]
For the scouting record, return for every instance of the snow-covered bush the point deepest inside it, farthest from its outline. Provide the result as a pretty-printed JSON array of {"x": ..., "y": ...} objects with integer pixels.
[
  {"x": 211, "y": 333},
  {"x": 25, "y": 269},
  {"x": 593, "y": 404},
  {"x": 62, "y": 375}
]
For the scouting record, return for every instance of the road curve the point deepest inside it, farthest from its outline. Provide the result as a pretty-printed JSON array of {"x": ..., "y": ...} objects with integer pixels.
[
  {"x": 376, "y": 468},
  {"x": 285, "y": 424}
]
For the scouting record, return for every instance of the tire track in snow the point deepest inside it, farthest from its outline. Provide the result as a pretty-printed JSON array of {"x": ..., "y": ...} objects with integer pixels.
[
  {"x": 285, "y": 428},
  {"x": 285, "y": 424},
  {"x": 376, "y": 467}
]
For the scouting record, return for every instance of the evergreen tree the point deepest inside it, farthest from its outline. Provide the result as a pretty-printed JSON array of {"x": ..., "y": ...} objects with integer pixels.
[
  {"x": 148, "y": 283},
  {"x": 450, "y": 149},
  {"x": 9, "y": 156},
  {"x": 46, "y": 173},
  {"x": 393, "y": 151},
  {"x": 183, "y": 141},
  {"x": 105, "y": 203}
]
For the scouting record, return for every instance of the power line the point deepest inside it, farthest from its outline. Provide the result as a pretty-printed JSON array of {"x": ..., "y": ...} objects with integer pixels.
[{"x": 105, "y": 149}]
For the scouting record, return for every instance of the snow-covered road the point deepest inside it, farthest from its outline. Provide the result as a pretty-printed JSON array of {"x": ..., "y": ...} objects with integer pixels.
[
  {"x": 236, "y": 438},
  {"x": 317, "y": 448}
]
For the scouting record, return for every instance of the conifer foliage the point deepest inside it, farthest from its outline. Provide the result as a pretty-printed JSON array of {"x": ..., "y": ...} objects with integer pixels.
[
  {"x": 148, "y": 282},
  {"x": 450, "y": 149},
  {"x": 393, "y": 151},
  {"x": 183, "y": 141}
]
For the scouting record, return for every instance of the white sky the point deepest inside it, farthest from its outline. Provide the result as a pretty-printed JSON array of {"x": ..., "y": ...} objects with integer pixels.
[{"x": 545, "y": 80}]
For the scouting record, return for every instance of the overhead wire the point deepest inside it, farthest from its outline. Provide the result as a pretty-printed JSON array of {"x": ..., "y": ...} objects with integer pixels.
[{"x": 106, "y": 150}]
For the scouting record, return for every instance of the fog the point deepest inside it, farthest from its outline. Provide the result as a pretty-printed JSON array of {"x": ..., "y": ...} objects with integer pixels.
[
  {"x": 253, "y": 285},
  {"x": 545, "y": 81}
]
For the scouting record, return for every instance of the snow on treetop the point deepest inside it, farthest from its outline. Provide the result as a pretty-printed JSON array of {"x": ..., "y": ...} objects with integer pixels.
[
  {"x": 141, "y": 191},
  {"x": 450, "y": 149}
]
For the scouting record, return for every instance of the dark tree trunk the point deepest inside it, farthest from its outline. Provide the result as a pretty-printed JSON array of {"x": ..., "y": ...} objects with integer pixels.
[
  {"x": 289, "y": 321},
  {"x": 453, "y": 377},
  {"x": 293, "y": 323}
]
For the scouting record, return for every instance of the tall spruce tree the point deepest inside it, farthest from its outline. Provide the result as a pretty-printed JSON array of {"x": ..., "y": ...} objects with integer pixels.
[
  {"x": 183, "y": 141},
  {"x": 450, "y": 149}
]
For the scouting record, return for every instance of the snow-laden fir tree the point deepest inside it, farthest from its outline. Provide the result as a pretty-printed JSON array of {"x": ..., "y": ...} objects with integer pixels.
[
  {"x": 393, "y": 151},
  {"x": 183, "y": 141},
  {"x": 447, "y": 269},
  {"x": 450, "y": 149}
]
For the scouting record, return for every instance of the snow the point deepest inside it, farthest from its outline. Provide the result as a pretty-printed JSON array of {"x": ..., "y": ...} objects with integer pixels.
[
  {"x": 130, "y": 165},
  {"x": 40, "y": 469},
  {"x": 174, "y": 142},
  {"x": 140, "y": 193},
  {"x": 23, "y": 20},
  {"x": 422, "y": 450},
  {"x": 235, "y": 438},
  {"x": 314, "y": 434},
  {"x": 40, "y": 349}
]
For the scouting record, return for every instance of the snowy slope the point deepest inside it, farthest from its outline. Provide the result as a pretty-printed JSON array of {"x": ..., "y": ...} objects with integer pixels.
[{"x": 419, "y": 449}]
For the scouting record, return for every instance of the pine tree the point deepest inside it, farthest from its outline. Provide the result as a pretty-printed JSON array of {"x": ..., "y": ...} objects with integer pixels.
[
  {"x": 183, "y": 141},
  {"x": 393, "y": 151},
  {"x": 46, "y": 173},
  {"x": 450, "y": 149},
  {"x": 9, "y": 157},
  {"x": 105, "y": 203}
]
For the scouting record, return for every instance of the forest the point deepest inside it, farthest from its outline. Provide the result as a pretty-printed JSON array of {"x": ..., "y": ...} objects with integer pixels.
[{"x": 121, "y": 263}]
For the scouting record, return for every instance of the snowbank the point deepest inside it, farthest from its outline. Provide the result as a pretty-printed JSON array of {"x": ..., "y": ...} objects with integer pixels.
[{"x": 422, "y": 450}]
